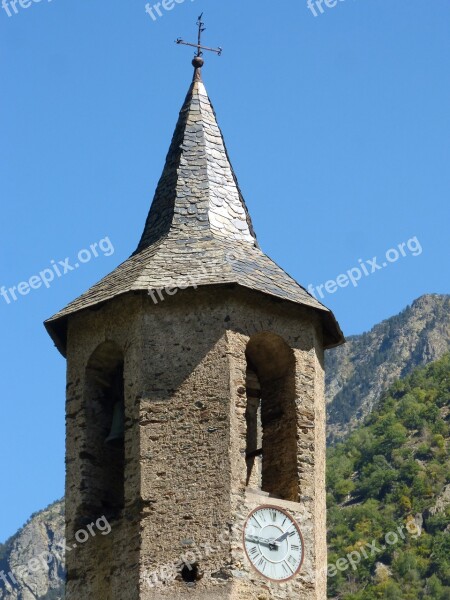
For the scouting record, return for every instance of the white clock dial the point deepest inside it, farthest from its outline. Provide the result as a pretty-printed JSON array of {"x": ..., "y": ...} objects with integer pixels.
[{"x": 273, "y": 543}]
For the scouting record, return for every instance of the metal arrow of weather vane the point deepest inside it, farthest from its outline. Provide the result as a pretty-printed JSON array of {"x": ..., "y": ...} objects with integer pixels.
[{"x": 201, "y": 29}]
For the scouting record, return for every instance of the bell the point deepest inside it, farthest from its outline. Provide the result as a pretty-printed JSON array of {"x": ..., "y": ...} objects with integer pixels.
[
  {"x": 253, "y": 385},
  {"x": 117, "y": 433}
]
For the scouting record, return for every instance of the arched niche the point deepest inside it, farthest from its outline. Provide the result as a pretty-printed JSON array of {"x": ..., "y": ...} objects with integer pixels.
[
  {"x": 271, "y": 417},
  {"x": 103, "y": 458}
]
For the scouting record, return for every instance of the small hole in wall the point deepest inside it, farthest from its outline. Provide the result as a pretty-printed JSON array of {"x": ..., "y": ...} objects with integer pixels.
[{"x": 191, "y": 573}]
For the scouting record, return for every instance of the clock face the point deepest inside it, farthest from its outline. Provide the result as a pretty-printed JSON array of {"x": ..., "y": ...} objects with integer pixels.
[{"x": 273, "y": 543}]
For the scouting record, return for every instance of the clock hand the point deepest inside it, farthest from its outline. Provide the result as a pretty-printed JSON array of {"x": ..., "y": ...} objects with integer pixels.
[
  {"x": 258, "y": 540},
  {"x": 282, "y": 537}
]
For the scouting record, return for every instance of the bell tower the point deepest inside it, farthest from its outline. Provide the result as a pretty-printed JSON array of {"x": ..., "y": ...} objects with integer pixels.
[{"x": 195, "y": 401}]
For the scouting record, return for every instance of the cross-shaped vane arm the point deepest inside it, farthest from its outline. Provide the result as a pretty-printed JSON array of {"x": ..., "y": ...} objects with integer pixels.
[
  {"x": 218, "y": 50},
  {"x": 198, "y": 61}
]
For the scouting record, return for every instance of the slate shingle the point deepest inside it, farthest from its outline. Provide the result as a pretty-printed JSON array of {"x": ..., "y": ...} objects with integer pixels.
[{"x": 198, "y": 228}]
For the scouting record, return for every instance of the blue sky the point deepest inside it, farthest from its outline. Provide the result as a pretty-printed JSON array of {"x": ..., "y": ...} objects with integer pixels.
[{"x": 337, "y": 125}]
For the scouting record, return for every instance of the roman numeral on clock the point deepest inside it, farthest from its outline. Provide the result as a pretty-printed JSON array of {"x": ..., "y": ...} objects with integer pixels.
[
  {"x": 262, "y": 563},
  {"x": 292, "y": 561},
  {"x": 257, "y": 523},
  {"x": 278, "y": 561},
  {"x": 290, "y": 568}
]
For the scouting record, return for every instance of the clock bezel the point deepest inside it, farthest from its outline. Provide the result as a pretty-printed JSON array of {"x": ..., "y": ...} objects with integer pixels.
[{"x": 297, "y": 527}]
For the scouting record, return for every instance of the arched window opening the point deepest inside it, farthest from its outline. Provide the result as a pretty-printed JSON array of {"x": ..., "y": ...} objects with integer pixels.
[
  {"x": 254, "y": 430},
  {"x": 104, "y": 458},
  {"x": 271, "y": 417}
]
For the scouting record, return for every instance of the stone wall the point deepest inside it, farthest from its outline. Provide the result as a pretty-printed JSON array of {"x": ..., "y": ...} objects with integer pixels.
[
  {"x": 301, "y": 332},
  {"x": 105, "y": 567},
  {"x": 185, "y": 466}
]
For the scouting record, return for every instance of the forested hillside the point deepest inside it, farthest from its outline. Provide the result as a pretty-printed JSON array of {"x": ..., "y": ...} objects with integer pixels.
[
  {"x": 392, "y": 472},
  {"x": 389, "y": 496}
]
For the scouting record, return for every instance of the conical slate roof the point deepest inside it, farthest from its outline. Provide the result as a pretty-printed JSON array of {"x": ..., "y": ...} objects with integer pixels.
[{"x": 198, "y": 231}]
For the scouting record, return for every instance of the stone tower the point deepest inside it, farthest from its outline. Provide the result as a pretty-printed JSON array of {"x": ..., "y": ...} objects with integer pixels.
[{"x": 208, "y": 358}]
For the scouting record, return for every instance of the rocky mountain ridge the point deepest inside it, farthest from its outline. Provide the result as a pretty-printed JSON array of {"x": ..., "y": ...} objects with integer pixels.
[
  {"x": 357, "y": 376},
  {"x": 32, "y": 560},
  {"x": 359, "y": 372}
]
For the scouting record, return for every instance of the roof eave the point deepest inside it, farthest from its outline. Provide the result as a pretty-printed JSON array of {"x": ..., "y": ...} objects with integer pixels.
[
  {"x": 333, "y": 336},
  {"x": 57, "y": 330}
]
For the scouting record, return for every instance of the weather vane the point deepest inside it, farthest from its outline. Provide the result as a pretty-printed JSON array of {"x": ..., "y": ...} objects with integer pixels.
[{"x": 201, "y": 29}]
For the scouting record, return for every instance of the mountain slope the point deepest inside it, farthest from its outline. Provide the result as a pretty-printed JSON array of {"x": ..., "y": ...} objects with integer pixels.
[
  {"x": 389, "y": 495},
  {"x": 359, "y": 372},
  {"x": 357, "y": 375},
  {"x": 34, "y": 557}
]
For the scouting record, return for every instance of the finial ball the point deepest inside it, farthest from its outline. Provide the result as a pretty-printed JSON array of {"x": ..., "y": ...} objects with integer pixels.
[{"x": 198, "y": 62}]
